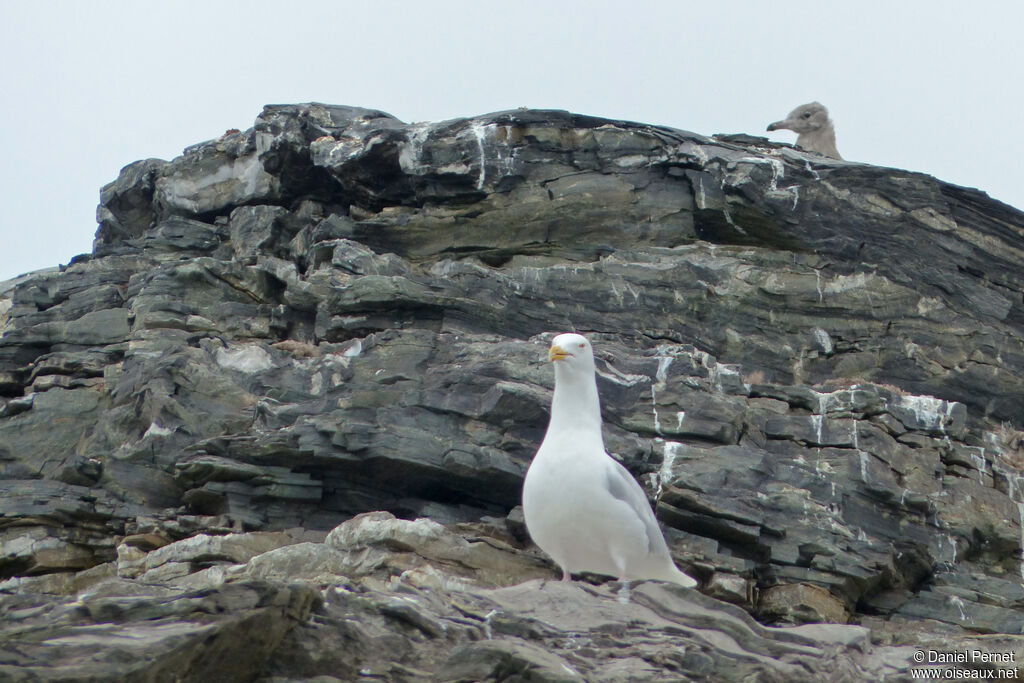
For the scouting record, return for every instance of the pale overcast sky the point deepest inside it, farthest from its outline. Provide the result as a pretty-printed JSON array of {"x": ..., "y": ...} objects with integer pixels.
[{"x": 89, "y": 87}]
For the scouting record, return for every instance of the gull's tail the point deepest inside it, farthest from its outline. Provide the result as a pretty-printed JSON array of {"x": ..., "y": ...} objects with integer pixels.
[
  {"x": 670, "y": 572},
  {"x": 683, "y": 579}
]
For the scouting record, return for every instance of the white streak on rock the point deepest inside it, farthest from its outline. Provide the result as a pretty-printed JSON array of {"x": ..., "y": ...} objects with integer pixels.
[
  {"x": 823, "y": 339},
  {"x": 249, "y": 359},
  {"x": 817, "y": 423},
  {"x": 959, "y": 604},
  {"x": 654, "y": 408},
  {"x": 670, "y": 451},
  {"x": 929, "y": 412},
  {"x": 354, "y": 349},
  {"x": 631, "y": 160},
  {"x": 481, "y": 134},
  {"x": 622, "y": 378},
  {"x": 157, "y": 430},
  {"x": 410, "y": 159},
  {"x": 664, "y": 361},
  {"x": 236, "y": 181},
  {"x": 845, "y": 283}
]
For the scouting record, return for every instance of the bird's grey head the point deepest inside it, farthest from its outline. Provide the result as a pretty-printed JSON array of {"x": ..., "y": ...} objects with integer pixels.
[
  {"x": 572, "y": 353},
  {"x": 806, "y": 118}
]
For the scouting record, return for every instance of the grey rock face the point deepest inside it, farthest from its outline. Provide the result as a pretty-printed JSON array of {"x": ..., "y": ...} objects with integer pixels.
[{"x": 812, "y": 365}]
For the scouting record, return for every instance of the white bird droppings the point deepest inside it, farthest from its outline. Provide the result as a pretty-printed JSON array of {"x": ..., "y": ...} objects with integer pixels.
[{"x": 249, "y": 359}]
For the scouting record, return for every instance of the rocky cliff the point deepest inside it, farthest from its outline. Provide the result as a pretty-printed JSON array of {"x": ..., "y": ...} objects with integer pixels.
[{"x": 275, "y": 426}]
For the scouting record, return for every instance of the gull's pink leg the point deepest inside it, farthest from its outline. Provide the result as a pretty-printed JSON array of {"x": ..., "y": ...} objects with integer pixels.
[
  {"x": 624, "y": 591},
  {"x": 566, "y": 577}
]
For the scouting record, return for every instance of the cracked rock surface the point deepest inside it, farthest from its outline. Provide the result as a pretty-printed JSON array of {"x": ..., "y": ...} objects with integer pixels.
[{"x": 275, "y": 426}]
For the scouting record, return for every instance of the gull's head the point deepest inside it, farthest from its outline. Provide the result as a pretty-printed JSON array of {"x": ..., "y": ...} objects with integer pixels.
[
  {"x": 806, "y": 118},
  {"x": 572, "y": 352}
]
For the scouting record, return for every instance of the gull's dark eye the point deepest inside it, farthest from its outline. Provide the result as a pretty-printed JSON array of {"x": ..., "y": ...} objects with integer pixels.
[
  {"x": 807, "y": 115},
  {"x": 583, "y": 346}
]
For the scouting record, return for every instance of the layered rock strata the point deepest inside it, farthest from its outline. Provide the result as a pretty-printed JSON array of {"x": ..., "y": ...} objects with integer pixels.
[{"x": 812, "y": 365}]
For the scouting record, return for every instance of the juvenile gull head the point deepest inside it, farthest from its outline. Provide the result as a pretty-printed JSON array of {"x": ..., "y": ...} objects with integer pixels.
[{"x": 813, "y": 128}]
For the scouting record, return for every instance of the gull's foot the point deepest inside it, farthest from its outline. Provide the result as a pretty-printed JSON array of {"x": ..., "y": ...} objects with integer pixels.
[{"x": 624, "y": 591}]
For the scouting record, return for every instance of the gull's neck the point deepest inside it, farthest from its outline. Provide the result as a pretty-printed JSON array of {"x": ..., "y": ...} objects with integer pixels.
[
  {"x": 822, "y": 141},
  {"x": 575, "y": 404}
]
